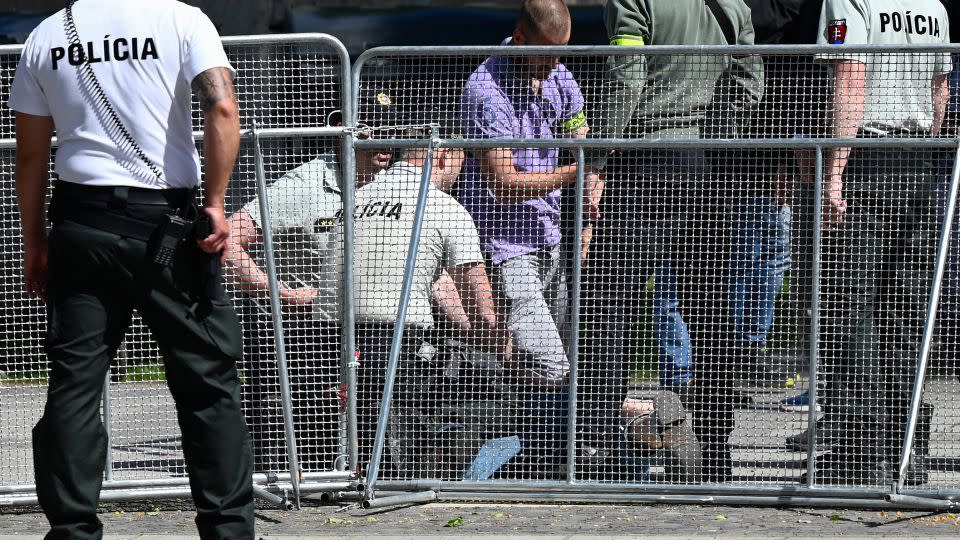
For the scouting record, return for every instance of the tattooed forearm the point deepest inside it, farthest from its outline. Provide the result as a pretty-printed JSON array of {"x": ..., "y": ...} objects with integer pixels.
[{"x": 212, "y": 86}]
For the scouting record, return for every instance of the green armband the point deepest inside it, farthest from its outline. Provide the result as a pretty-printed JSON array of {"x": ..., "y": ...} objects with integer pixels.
[
  {"x": 573, "y": 123},
  {"x": 627, "y": 40}
]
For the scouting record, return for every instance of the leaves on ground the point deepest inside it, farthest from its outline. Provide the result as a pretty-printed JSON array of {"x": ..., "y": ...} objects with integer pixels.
[
  {"x": 338, "y": 521},
  {"x": 835, "y": 517},
  {"x": 154, "y": 512},
  {"x": 720, "y": 517},
  {"x": 455, "y": 522}
]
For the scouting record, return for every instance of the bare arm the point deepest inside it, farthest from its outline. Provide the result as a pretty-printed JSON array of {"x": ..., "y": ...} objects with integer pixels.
[
  {"x": 240, "y": 267},
  {"x": 849, "y": 95},
  {"x": 446, "y": 168},
  {"x": 848, "y": 103},
  {"x": 477, "y": 299},
  {"x": 447, "y": 299},
  {"x": 510, "y": 186},
  {"x": 941, "y": 95},
  {"x": 221, "y": 142},
  {"x": 33, "y": 157},
  {"x": 245, "y": 272},
  {"x": 592, "y": 196}
]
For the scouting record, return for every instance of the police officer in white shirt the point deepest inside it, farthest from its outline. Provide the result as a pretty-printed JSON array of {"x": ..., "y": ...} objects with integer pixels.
[
  {"x": 879, "y": 212},
  {"x": 114, "y": 79},
  {"x": 449, "y": 242}
]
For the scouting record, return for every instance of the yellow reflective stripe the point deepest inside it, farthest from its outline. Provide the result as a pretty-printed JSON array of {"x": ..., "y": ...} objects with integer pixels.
[
  {"x": 573, "y": 124},
  {"x": 627, "y": 41}
]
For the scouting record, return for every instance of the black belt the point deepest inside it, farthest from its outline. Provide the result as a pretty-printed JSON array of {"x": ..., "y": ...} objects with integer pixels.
[
  {"x": 119, "y": 196},
  {"x": 107, "y": 207}
]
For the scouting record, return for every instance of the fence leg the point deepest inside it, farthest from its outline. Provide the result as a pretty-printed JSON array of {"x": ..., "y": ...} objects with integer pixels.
[
  {"x": 107, "y": 422},
  {"x": 395, "y": 345},
  {"x": 277, "y": 315},
  {"x": 815, "y": 314},
  {"x": 930, "y": 324},
  {"x": 573, "y": 347},
  {"x": 349, "y": 345}
]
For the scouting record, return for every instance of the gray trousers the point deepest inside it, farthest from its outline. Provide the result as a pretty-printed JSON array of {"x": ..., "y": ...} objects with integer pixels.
[{"x": 531, "y": 295}]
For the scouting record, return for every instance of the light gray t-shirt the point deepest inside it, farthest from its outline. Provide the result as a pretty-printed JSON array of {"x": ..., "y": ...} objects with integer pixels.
[
  {"x": 384, "y": 223},
  {"x": 898, "y": 95},
  {"x": 304, "y": 204}
]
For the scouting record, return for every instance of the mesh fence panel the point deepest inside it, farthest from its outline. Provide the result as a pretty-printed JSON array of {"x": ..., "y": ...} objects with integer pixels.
[
  {"x": 695, "y": 300},
  {"x": 697, "y": 292},
  {"x": 280, "y": 83}
]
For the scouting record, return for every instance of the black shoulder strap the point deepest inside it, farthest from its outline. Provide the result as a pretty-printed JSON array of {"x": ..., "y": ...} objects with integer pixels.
[
  {"x": 89, "y": 78},
  {"x": 723, "y": 20}
]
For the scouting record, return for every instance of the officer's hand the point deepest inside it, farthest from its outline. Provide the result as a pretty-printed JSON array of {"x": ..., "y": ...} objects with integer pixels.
[
  {"x": 834, "y": 205},
  {"x": 35, "y": 271},
  {"x": 299, "y": 297},
  {"x": 219, "y": 231},
  {"x": 592, "y": 193}
]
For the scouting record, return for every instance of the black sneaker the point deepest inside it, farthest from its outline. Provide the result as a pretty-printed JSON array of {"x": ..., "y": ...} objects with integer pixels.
[{"x": 827, "y": 435}]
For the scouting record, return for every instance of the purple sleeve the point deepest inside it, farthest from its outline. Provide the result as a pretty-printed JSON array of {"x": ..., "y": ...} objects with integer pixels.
[
  {"x": 485, "y": 112},
  {"x": 569, "y": 93}
]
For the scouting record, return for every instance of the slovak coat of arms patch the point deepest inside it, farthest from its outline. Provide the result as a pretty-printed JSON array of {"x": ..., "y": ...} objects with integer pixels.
[{"x": 837, "y": 31}]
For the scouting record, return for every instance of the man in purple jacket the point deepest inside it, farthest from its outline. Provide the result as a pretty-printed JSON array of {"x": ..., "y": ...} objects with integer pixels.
[{"x": 514, "y": 197}]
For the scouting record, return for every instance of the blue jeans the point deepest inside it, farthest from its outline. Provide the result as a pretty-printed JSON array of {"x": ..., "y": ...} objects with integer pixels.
[{"x": 759, "y": 259}]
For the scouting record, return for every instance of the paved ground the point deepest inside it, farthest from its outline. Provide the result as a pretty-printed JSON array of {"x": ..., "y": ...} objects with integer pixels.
[
  {"x": 146, "y": 443},
  {"x": 167, "y": 520}
]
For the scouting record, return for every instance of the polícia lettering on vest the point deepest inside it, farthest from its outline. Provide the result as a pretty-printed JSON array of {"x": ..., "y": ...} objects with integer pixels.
[
  {"x": 119, "y": 49},
  {"x": 387, "y": 209},
  {"x": 910, "y": 23}
]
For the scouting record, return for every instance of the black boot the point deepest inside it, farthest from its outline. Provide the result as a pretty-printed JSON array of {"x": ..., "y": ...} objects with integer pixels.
[
  {"x": 717, "y": 462},
  {"x": 858, "y": 457}
]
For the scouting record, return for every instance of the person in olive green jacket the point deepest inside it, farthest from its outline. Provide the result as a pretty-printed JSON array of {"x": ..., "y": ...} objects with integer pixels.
[{"x": 665, "y": 204}]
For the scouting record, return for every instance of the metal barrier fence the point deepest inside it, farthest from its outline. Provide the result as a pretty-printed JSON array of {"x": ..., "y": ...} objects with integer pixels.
[
  {"x": 635, "y": 365},
  {"x": 608, "y": 394},
  {"x": 287, "y": 86}
]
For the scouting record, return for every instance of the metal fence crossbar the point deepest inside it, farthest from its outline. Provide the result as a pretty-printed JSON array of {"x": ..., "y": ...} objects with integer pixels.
[{"x": 609, "y": 423}]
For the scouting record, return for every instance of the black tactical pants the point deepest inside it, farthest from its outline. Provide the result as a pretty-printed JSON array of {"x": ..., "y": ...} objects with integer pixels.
[
  {"x": 408, "y": 438},
  {"x": 313, "y": 364},
  {"x": 877, "y": 267},
  {"x": 662, "y": 205},
  {"x": 96, "y": 279}
]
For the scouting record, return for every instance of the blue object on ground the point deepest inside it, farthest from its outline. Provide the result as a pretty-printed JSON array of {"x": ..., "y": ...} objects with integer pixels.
[
  {"x": 799, "y": 403},
  {"x": 494, "y": 453}
]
